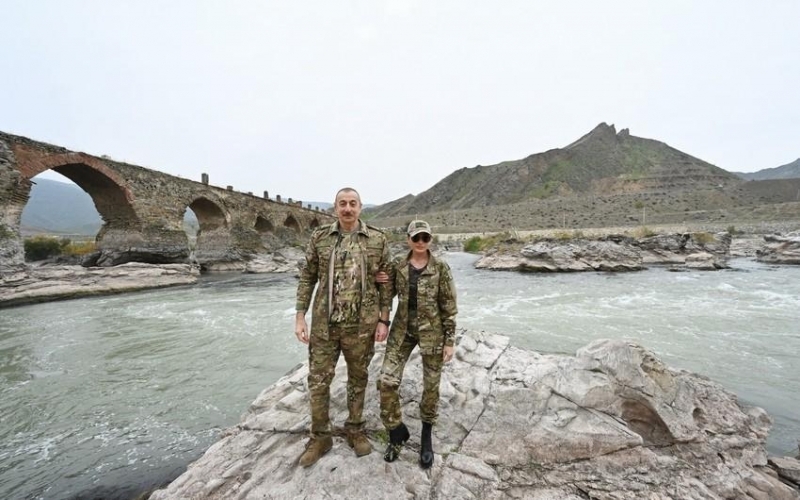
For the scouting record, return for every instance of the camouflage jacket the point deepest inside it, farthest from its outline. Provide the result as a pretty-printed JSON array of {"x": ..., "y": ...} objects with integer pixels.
[
  {"x": 318, "y": 270},
  {"x": 436, "y": 304}
]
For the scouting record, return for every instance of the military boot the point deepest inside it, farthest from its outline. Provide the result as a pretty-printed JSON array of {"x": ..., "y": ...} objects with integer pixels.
[
  {"x": 315, "y": 448},
  {"x": 359, "y": 442},
  {"x": 426, "y": 446},
  {"x": 397, "y": 438}
]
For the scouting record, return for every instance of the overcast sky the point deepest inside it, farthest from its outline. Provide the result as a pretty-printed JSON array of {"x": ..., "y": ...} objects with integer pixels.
[{"x": 300, "y": 98}]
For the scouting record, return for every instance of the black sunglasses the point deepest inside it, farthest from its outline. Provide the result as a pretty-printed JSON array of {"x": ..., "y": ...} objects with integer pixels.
[{"x": 421, "y": 236}]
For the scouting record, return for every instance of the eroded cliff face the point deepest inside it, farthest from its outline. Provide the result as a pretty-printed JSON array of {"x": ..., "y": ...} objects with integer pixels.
[{"x": 611, "y": 422}]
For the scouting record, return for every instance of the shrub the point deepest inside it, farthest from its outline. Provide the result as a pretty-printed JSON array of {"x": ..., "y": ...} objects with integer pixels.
[
  {"x": 79, "y": 248},
  {"x": 703, "y": 238},
  {"x": 643, "y": 232},
  {"x": 473, "y": 245},
  {"x": 43, "y": 247},
  {"x": 478, "y": 244},
  {"x": 567, "y": 235}
]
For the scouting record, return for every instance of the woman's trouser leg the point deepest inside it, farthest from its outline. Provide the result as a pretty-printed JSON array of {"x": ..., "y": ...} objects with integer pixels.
[{"x": 398, "y": 349}]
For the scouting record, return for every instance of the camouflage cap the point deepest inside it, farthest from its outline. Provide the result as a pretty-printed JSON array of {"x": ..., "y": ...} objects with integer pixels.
[{"x": 419, "y": 226}]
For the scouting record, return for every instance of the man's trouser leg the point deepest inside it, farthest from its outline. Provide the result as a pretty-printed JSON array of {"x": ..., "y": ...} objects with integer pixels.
[
  {"x": 322, "y": 357},
  {"x": 398, "y": 349},
  {"x": 431, "y": 375},
  {"x": 358, "y": 348}
]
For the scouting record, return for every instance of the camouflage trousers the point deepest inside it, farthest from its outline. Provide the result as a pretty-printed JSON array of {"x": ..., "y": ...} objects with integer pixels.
[
  {"x": 398, "y": 350},
  {"x": 358, "y": 348}
]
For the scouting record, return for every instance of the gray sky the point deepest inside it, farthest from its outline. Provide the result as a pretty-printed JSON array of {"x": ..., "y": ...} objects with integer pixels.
[{"x": 300, "y": 98}]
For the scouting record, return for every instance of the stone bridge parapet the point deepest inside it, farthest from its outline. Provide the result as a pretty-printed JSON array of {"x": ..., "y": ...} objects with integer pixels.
[{"x": 143, "y": 209}]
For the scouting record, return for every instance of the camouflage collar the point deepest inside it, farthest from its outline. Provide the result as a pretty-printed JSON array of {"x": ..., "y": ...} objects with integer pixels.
[
  {"x": 431, "y": 262},
  {"x": 362, "y": 228}
]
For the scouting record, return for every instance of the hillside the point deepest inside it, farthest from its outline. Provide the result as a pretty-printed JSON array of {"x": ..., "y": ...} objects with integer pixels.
[
  {"x": 788, "y": 171},
  {"x": 59, "y": 208},
  {"x": 600, "y": 163}
]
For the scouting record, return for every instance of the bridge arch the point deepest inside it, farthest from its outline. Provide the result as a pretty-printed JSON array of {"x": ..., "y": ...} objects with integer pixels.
[
  {"x": 264, "y": 225},
  {"x": 314, "y": 223},
  {"x": 210, "y": 215},
  {"x": 291, "y": 223},
  {"x": 112, "y": 198}
]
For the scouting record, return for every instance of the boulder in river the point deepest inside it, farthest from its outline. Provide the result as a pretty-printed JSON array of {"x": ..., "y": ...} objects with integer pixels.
[{"x": 612, "y": 422}]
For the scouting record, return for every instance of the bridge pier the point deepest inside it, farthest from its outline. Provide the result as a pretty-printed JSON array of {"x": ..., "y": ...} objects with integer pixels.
[{"x": 155, "y": 246}]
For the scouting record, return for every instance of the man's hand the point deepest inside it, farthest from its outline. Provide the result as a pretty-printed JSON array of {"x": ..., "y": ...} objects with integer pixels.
[
  {"x": 381, "y": 332},
  {"x": 447, "y": 353},
  {"x": 381, "y": 277},
  {"x": 301, "y": 328}
]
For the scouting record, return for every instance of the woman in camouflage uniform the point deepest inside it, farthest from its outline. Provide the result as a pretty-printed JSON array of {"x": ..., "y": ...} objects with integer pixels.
[{"x": 425, "y": 317}]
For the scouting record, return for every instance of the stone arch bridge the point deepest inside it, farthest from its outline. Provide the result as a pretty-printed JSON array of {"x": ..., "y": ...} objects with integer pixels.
[{"x": 143, "y": 209}]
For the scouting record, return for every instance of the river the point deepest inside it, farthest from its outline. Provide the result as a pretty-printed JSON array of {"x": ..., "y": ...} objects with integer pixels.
[{"x": 106, "y": 397}]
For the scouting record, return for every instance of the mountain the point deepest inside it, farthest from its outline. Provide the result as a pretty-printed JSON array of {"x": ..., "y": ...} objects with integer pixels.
[
  {"x": 788, "y": 171},
  {"x": 602, "y": 162},
  {"x": 60, "y": 208}
]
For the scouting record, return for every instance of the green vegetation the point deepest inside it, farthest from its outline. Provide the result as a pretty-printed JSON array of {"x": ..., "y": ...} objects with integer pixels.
[
  {"x": 478, "y": 244},
  {"x": 703, "y": 238},
  {"x": 568, "y": 235},
  {"x": 46, "y": 247},
  {"x": 643, "y": 232}
]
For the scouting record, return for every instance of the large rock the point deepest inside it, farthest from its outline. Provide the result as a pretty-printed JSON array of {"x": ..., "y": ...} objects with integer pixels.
[
  {"x": 285, "y": 260},
  {"x": 565, "y": 256},
  {"x": 779, "y": 249},
  {"x": 612, "y": 422},
  {"x": 678, "y": 248},
  {"x": 700, "y": 251},
  {"x": 45, "y": 283}
]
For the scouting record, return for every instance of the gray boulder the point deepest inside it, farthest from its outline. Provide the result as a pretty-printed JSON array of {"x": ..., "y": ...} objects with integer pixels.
[
  {"x": 676, "y": 248},
  {"x": 610, "y": 423},
  {"x": 565, "y": 256},
  {"x": 779, "y": 249}
]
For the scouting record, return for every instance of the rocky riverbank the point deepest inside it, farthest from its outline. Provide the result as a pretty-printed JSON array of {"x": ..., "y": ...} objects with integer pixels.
[
  {"x": 27, "y": 284},
  {"x": 703, "y": 251},
  {"x": 697, "y": 251},
  {"x": 611, "y": 422},
  {"x": 32, "y": 284}
]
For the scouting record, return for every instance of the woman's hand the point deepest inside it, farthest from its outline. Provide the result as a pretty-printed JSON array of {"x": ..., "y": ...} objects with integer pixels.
[{"x": 447, "y": 353}]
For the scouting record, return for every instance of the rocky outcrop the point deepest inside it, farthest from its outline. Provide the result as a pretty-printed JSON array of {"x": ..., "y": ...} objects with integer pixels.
[
  {"x": 779, "y": 249},
  {"x": 611, "y": 422},
  {"x": 701, "y": 251},
  {"x": 286, "y": 260},
  {"x": 47, "y": 283},
  {"x": 676, "y": 248},
  {"x": 566, "y": 256}
]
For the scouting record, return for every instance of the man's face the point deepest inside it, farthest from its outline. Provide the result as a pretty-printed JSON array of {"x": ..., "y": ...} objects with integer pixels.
[{"x": 348, "y": 207}]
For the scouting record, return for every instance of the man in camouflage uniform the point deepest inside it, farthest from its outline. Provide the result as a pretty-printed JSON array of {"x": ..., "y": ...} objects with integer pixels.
[
  {"x": 350, "y": 313},
  {"x": 426, "y": 313}
]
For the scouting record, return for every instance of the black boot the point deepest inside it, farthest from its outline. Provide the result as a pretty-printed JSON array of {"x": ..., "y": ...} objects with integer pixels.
[
  {"x": 397, "y": 438},
  {"x": 426, "y": 446}
]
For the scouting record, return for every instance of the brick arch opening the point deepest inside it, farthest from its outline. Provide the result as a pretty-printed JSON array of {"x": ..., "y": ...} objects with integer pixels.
[
  {"x": 110, "y": 198},
  {"x": 209, "y": 215},
  {"x": 292, "y": 223},
  {"x": 314, "y": 223},
  {"x": 263, "y": 225}
]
